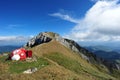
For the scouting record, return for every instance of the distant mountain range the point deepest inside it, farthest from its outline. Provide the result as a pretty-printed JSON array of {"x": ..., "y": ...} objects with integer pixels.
[
  {"x": 8, "y": 48},
  {"x": 110, "y": 54},
  {"x": 105, "y": 52}
]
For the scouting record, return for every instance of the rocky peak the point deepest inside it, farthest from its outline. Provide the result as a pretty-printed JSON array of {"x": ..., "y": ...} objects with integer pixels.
[
  {"x": 45, "y": 37},
  {"x": 39, "y": 39}
]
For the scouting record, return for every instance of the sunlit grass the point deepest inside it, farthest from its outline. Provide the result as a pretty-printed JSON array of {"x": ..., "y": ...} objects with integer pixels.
[
  {"x": 76, "y": 66},
  {"x": 20, "y": 66}
]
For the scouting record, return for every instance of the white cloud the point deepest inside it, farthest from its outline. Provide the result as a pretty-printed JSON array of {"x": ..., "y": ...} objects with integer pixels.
[
  {"x": 13, "y": 40},
  {"x": 64, "y": 17},
  {"x": 101, "y": 23},
  {"x": 103, "y": 0}
]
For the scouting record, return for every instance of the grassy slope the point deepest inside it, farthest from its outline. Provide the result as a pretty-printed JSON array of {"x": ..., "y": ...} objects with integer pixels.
[
  {"x": 70, "y": 60},
  {"x": 61, "y": 64}
]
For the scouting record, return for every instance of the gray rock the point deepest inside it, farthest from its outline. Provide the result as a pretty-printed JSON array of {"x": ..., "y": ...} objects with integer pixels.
[
  {"x": 30, "y": 71},
  {"x": 112, "y": 65},
  {"x": 39, "y": 39}
]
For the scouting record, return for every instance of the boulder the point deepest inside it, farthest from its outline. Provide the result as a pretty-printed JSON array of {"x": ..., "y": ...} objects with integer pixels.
[{"x": 31, "y": 70}]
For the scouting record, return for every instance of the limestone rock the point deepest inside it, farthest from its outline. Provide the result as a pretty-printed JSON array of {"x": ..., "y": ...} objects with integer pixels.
[
  {"x": 39, "y": 39},
  {"x": 30, "y": 71}
]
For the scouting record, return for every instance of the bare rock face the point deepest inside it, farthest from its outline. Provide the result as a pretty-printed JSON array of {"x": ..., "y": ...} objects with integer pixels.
[
  {"x": 112, "y": 65},
  {"x": 45, "y": 37},
  {"x": 39, "y": 39}
]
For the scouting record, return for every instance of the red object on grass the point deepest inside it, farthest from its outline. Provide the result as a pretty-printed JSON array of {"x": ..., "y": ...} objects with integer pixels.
[
  {"x": 22, "y": 53},
  {"x": 29, "y": 53}
]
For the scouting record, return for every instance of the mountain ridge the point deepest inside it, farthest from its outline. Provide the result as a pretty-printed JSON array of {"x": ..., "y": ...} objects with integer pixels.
[
  {"x": 45, "y": 37},
  {"x": 48, "y": 36},
  {"x": 57, "y": 58}
]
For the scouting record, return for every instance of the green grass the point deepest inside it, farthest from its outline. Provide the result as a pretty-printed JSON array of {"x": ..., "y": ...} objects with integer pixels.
[
  {"x": 66, "y": 62},
  {"x": 76, "y": 66},
  {"x": 20, "y": 66},
  {"x": 116, "y": 73},
  {"x": 2, "y": 59}
]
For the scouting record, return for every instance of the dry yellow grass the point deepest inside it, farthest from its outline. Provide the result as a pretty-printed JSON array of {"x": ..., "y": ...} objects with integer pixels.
[
  {"x": 54, "y": 46},
  {"x": 51, "y": 72},
  {"x": 3, "y": 68},
  {"x": 47, "y": 48}
]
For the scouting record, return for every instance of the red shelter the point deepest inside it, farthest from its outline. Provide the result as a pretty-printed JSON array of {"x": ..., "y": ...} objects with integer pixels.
[{"x": 20, "y": 54}]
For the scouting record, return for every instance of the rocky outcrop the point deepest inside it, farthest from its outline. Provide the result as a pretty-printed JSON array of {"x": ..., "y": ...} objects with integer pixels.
[
  {"x": 39, "y": 39},
  {"x": 45, "y": 37},
  {"x": 112, "y": 65}
]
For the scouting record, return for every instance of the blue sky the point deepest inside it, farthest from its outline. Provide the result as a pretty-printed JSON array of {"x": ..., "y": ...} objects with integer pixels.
[
  {"x": 29, "y": 17},
  {"x": 74, "y": 19}
]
